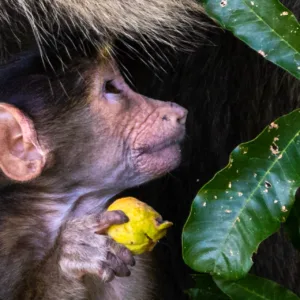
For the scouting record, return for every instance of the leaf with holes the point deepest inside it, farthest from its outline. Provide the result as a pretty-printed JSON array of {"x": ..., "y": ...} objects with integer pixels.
[
  {"x": 255, "y": 288},
  {"x": 265, "y": 25},
  {"x": 245, "y": 202}
]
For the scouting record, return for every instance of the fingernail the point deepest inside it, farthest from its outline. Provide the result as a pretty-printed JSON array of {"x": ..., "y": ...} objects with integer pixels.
[
  {"x": 132, "y": 262},
  {"x": 125, "y": 219}
]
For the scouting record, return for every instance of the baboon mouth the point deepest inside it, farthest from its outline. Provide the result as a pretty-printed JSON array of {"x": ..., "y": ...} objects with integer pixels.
[
  {"x": 167, "y": 143},
  {"x": 161, "y": 146}
]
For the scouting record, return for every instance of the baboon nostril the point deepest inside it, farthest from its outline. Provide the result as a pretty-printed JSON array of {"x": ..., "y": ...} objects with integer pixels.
[{"x": 174, "y": 113}]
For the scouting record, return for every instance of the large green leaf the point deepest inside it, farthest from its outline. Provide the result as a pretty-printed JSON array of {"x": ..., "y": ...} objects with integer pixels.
[
  {"x": 255, "y": 288},
  {"x": 265, "y": 25},
  {"x": 245, "y": 202},
  {"x": 206, "y": 289}
]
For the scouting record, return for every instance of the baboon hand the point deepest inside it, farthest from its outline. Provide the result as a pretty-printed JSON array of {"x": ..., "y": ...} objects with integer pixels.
[{"x": 85, "y": 249}]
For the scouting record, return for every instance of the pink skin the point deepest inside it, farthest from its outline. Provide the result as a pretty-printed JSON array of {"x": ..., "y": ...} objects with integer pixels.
[
  {"x": 125, "y": 139},
  {"x": 142, "y": 134}
]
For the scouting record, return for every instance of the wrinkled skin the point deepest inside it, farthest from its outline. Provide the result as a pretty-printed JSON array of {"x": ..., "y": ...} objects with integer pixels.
[
  {"x": 75, "y": 163},
  {"x": 140, "y": 134}
]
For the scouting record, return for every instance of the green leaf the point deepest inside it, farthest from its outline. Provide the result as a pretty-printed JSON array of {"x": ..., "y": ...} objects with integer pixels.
[
  {"x": 206, "y": 289},
  {"x": 265, "y": 25},
  {"x": 255, "y": 288},
  {"x": 245, "y": 202}
]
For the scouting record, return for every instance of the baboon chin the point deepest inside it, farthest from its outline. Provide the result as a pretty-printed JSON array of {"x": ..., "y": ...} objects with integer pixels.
[{"x": 73, "y": 135}]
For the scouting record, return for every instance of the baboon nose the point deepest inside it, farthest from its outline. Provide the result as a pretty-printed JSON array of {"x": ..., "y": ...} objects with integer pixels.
[{"x": 178, "y": 114}]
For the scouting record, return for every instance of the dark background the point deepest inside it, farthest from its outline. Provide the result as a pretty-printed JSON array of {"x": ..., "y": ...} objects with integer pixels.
[{"x": 231, "y": 93}]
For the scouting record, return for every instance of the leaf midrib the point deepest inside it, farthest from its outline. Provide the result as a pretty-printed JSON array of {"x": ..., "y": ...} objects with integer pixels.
[
  {"x": 249, "y": 291},
  {"x": 249, "y": 198},
  {"x": 268, "y": 25}
]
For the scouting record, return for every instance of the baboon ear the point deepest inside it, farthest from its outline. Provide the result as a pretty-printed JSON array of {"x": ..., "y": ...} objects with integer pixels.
[{"x": 21, "y": 157}]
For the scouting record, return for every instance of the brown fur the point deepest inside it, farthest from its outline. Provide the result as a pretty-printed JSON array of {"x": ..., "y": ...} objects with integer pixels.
[
  {"x": 125, "y": 139},
  {"x": 97, "y": 142},
  {"x": 159, "y": 20}
]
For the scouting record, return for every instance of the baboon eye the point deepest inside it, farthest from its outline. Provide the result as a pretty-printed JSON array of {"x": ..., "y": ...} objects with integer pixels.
[{"x": 110, "y": 88}]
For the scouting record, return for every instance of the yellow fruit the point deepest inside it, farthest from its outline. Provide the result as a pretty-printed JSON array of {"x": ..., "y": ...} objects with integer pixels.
[{"x": 144, "y": 229}]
